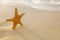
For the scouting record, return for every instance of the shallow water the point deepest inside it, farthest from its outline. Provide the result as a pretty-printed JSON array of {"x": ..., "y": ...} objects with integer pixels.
[{"x": 51, "y": 5}]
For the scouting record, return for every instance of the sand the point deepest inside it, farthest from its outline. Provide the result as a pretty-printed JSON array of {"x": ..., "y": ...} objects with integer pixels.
[{"x": 38, "y": 24}]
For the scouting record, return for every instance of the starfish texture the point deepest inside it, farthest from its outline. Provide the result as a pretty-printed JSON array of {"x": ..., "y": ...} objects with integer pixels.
[{"x": 16, "y": 19}]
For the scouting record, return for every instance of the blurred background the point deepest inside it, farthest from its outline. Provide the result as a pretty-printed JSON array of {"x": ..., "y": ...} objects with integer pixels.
[{"x": 39, "y": 4}]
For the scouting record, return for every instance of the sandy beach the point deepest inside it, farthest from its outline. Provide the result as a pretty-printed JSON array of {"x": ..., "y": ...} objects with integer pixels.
[{"x": 38, "y": 24}]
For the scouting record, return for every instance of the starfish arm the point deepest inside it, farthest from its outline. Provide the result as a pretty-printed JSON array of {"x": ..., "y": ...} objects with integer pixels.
[
  {"x": 16, "y": 12},
  {"x": 9, "y": 20},
  {"x": 21, "y": 23},
  {"x": 14, "y": 25},
  {"x": 21, "y": 15}
]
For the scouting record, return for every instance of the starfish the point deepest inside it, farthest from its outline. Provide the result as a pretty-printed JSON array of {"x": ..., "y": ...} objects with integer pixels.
[{"x": 16, "y": 19}]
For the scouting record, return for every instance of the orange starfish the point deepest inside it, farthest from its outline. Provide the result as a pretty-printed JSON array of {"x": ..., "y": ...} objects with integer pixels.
[{"x": 16, "y": 19}]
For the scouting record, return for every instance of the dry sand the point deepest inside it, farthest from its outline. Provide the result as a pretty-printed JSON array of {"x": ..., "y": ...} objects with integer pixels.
[{"x": 38, "y": 24}]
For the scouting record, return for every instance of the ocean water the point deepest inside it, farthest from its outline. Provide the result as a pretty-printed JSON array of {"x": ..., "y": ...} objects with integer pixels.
[{"x": 52, "y": 5}]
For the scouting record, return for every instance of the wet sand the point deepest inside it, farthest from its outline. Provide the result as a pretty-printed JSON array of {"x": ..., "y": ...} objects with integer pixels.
[{"x": 38, "y": 24}]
